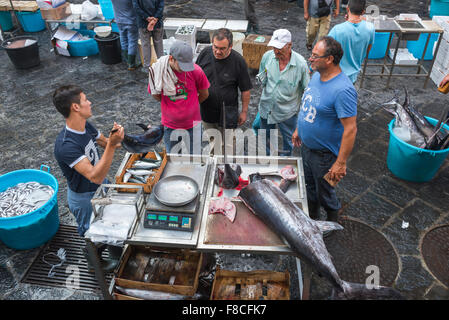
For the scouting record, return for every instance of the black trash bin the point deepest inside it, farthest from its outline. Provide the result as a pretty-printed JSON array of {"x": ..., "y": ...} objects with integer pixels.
[
  {"x": 109, "y": 47},
  {"x": 23, "y": 51}
]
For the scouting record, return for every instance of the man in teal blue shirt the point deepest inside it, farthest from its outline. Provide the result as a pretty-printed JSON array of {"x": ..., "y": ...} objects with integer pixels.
[
  {"x": 286, "y": 78},
  {"x": 356, "y": 37}
]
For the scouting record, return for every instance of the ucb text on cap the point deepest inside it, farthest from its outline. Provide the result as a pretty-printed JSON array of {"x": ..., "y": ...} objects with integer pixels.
[{"x": 183, "y": 53}]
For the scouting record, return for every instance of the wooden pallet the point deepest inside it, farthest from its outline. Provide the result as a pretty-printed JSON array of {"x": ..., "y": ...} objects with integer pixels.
[{"x": 32, "y": 6}]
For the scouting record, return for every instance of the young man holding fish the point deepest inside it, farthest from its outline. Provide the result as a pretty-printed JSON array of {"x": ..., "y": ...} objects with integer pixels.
[
  {"x": 326, "y": 127},
  {"x": 76, "y": 151}
]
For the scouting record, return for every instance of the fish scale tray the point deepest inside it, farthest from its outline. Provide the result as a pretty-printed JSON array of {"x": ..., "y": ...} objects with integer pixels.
[
  {"x": 435, "y": 251},
  {"x": 359, "y": 246},
  {"x": 68, "y": 238}
]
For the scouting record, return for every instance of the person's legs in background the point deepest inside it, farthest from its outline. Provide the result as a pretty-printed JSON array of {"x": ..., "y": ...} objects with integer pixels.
[
  {"x": 133, "y": 38},
  {"x": 145, "y": 42},
  {"x": 287, "y": 128},
  {"x": 312, "y": 28},
  {"x": 264, "y": 125},
  {"x": 123, "y": 32},
  {"x": 158, "y": 35},
  {"x": 324, "y": 25}
]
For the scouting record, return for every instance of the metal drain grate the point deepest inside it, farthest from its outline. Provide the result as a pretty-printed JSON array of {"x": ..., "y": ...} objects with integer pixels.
[
  {"x": 435, "y": 251},
  {"x": 73, "y": 273},
  {"x": 359, "y": 246}
]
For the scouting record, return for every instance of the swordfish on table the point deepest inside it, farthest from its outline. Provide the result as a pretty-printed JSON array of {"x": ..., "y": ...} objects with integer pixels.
[{"x": 304, "y": 236}]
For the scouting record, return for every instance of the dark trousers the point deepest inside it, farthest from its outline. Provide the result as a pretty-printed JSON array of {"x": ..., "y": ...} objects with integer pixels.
[{"x": 319, "y": 193}]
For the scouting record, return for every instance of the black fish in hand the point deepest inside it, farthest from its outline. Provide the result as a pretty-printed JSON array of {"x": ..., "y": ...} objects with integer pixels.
[{"x": 144, "y": 142}]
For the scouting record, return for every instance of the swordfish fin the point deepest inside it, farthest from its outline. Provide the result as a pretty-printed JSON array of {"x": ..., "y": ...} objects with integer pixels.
[
  {"x": 328, "y": 226},
  {"x": 358, "y": 291}
]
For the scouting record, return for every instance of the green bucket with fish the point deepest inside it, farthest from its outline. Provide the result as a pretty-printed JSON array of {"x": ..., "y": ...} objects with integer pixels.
[
  {"x": 32, "y": 229},
  {"x": 412, "y": 163}
]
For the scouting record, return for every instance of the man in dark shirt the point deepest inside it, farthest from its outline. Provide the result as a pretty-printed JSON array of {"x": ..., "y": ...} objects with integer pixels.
[
  {"x": 77, "y": 154},
  {"x": 227, "y": 72}
]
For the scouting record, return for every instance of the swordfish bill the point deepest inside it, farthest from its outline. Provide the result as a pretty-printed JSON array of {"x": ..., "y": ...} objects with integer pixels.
[{"x": 304, "y": 236}]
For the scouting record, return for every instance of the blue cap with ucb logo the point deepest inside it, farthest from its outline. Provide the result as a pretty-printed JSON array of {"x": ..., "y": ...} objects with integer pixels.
[{"x": 183, "y": 53}]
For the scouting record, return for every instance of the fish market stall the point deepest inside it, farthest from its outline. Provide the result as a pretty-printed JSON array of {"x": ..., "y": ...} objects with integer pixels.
[
  {"x": 409, "y": 30},
  {"x": 175, "y": 220}
]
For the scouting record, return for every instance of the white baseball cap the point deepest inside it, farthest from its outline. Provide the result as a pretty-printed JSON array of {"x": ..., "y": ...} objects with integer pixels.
[{"x": 280, "y": 38}]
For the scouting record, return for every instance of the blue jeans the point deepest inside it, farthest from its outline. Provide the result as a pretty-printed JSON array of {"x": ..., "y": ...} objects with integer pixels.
[
  {"x": 181, "y": 137},
  {"x": 81, "y": 208},
  {"x": 286, "y": 128},
  {"x": 129, "y": 35},
  {"x": 316, "y": 164}
]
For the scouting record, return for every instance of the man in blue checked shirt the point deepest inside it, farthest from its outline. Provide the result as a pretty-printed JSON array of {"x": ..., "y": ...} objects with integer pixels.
[{"x": 287, "y": 75}]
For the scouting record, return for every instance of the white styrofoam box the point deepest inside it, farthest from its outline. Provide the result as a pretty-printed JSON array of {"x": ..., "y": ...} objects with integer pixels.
[
  {"x": 189, "y": 38},
  {"x": 403, "y": 56}
]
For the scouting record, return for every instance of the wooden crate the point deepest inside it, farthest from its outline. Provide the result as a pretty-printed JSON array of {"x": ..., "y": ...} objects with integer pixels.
[
  {"x": 253, "y": 51},
  {"x": 59, "y": 13},
  {"x": 19, "y": 5},
  {"x": 254, "y": 285},
  {"x": 152, "y": 180},
  {"x": 173, "y": 270}
]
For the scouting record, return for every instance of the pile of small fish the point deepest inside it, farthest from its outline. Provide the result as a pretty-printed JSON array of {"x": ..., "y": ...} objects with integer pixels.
[
  {"x": 142, "y": 169},
  {"x": 24, "y": 198},
  {"x": 412, "y": 127}
]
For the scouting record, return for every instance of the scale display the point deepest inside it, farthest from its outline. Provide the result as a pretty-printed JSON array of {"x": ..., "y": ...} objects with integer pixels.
[{"x": 169, "y": 221}]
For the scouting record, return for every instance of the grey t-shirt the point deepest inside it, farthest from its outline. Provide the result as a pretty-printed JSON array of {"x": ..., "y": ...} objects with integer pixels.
[{"x": 314, "y": 7}]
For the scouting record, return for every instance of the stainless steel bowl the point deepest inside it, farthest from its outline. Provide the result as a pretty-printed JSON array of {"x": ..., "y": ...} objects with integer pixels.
[{"x": 176, "y": 191}]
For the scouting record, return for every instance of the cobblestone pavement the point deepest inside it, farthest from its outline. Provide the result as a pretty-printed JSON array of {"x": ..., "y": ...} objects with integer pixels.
[{"x": 370, "y": 193}]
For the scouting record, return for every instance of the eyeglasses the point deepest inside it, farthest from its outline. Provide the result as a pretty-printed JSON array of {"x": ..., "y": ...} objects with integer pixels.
[{"x": 315, "y": 57}]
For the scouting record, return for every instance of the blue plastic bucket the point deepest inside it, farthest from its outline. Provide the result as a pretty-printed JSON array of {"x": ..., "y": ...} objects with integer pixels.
[
  {"x": 380, "y": 45},
  {"x": 6, "y": 20},
  {"x": 417, "y": 47},
  {"x": 84, "y": 47},
  {"x": 31, "y": 21},
  {"x": 439, "y": 8},
  {"x": 107, "y": 9},
  {"x": 411, "y": 163},
  {"x": 33, "y": 229}
]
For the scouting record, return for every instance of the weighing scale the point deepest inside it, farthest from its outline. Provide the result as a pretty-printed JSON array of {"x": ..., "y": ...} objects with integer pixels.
[{"x": 160, "y": 216}]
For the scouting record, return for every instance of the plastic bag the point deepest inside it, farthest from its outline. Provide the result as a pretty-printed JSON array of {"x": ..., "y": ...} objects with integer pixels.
[
  {"x": 88, "y": 10},
  {"x": 256, "y": 124}
]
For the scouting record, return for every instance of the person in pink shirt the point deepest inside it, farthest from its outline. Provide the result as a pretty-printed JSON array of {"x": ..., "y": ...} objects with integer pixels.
[{"x": 182, "y": 110}]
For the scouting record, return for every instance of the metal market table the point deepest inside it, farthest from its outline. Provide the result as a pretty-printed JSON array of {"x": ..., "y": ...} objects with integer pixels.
[
  {"x": 205, "y": 226},
  {"x": 403, "y": 33}
]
